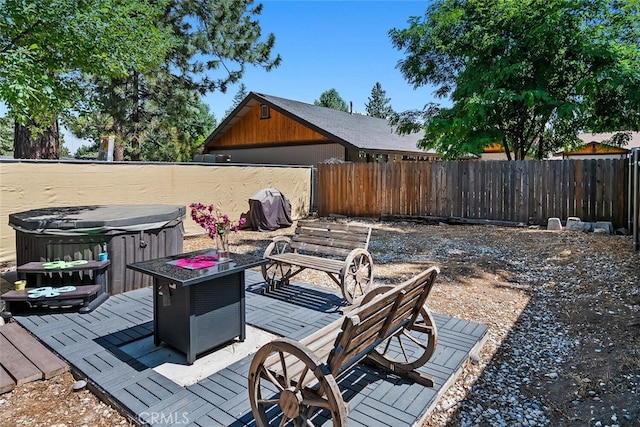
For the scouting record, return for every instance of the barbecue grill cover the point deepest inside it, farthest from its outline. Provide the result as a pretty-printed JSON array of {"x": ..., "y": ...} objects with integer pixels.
[{"x": 269, "y": 210}]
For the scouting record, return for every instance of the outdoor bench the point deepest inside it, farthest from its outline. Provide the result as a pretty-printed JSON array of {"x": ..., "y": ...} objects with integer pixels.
[
  {"x": 391, "y": 328},
  {"x": 340, "y": 250}
]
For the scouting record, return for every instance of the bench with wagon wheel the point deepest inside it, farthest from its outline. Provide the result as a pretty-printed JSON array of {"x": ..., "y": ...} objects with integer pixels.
[
  {"x": 340, "y": 250},
  {"x": 391, "y": 328}
]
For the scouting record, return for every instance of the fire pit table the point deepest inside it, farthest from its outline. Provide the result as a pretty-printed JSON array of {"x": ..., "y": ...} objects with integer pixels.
[{"x": 198, "y": 306}]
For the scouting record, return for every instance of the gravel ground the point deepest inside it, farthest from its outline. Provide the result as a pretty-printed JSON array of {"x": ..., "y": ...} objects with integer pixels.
[{"x": 563, "y": 310}]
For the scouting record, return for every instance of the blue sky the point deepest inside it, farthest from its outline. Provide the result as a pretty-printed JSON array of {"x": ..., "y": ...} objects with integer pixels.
[{"x": 342, "y": 45}]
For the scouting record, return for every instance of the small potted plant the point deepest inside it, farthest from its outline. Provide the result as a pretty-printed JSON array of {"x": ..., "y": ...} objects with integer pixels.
[{"x": 217, "y": 226}]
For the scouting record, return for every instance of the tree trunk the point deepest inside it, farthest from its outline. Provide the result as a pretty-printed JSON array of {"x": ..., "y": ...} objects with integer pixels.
[
  {"x": 135, "y": 118},
  {"x": 118, "y": 149},
  {"x": 540, "y": 151},
  {"x": 28, "y": 143}
]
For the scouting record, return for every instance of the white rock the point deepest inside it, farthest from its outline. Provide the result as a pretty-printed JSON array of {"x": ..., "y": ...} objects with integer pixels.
[{"x": 79, "y": 385}]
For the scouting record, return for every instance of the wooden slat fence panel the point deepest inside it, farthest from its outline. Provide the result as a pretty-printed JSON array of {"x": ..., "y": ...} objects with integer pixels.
[{"x": 593, "y": 190}]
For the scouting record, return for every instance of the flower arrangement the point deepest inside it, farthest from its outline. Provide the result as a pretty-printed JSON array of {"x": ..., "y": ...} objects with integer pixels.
[{"x": 216, "y": 224}]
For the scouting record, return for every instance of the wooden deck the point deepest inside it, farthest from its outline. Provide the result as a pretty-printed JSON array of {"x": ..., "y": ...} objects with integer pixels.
[
  {"x": 24, "y": 359},
  {"x": 91, "y": 343}
]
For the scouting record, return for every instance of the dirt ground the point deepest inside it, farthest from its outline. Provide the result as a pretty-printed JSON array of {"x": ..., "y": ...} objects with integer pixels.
[{"x": 586, "y": 286}]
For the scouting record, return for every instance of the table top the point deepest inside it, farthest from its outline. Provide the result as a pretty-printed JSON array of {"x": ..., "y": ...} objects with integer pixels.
[{"x": 165, "y": 268}]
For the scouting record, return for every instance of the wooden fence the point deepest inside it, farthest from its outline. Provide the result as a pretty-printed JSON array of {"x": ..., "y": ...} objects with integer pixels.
[{"x": 515, "y": 191}]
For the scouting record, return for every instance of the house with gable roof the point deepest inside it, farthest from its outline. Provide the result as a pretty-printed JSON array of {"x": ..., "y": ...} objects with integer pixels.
[
  {"x": 596, "y": 147},
  {"x": 265, "y": 129}
]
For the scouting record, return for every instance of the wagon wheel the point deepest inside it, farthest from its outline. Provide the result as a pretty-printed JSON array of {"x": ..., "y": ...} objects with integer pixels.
[
  {"x": 411, "y": 346},
  {"x": 276, "y": 273},
  {"x": 280, "y": 390},
  {"x": 357, "y": 275}
]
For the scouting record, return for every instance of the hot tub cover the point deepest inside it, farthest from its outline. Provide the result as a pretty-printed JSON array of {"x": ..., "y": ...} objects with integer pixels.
[{"x": 101, "y": 219}]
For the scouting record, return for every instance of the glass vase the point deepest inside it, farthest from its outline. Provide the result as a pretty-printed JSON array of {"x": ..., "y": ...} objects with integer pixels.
[{"x": 222, "y": 246}]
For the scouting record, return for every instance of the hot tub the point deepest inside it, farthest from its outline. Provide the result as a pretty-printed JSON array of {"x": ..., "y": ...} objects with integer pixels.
[{"x": 128, "y": 233}]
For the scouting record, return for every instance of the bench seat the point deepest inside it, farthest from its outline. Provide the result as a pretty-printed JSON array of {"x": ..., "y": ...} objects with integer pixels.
[
  {"x": 340, "y": 250},
  {"x": 310, "y": 261}
]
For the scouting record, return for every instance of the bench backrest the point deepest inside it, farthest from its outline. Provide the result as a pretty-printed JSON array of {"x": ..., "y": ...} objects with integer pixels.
[
  {"x": 330, "y": 238},
  {"x": 367, "y": 326}
]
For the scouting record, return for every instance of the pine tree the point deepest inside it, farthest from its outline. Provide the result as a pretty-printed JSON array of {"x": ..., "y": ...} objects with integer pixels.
[
  {"x": 379, "y": 106},
  {"x": 331, "y": 99},
  {"x": 207, "y": 58},
  {"x": 237, "y": 99}
]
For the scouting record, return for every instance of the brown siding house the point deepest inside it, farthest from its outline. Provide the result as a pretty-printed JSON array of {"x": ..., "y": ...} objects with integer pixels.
[{"x": 272, "y": 130}]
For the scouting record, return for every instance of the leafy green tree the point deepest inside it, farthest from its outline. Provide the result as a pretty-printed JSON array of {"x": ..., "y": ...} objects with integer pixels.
[
  {"x": 379, "y": 105},
  {"x": 47, "y": 47},
  {"x": 175, "y": 139},
  {"x": 528, "y": 74},
  {"x": 217, "y": 39},
  {"x": 88, "y": 151},
  {"x": 237, "y": 99},
  {"x": 6, "y": 136},
  {"x": 331, "y": 99},
  {"x": 177, "y": 118}
]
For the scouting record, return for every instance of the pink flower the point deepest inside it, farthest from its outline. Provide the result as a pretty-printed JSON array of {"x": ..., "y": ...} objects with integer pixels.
[{"x": 212, "y": 220}]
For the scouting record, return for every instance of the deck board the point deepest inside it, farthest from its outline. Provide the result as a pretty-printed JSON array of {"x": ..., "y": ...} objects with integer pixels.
[
  {"x": 91, "y": 344},
  {"x": 6, "y": 381},
  {"x": 48, "y": 363},
  {"x": 17, "y": 365}
]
